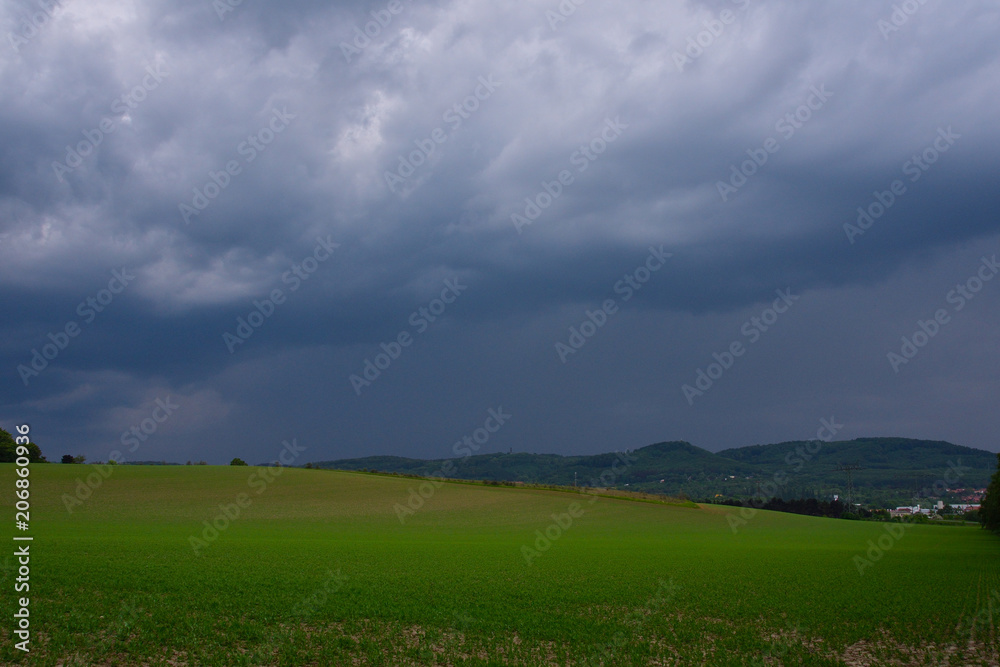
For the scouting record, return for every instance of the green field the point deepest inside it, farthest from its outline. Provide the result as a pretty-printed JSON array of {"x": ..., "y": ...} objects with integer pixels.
[{"x": 319, "y": 570}]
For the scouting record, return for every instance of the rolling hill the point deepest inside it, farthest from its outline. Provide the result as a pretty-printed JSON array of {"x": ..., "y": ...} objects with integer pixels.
[{"x": 894, "y": 470}]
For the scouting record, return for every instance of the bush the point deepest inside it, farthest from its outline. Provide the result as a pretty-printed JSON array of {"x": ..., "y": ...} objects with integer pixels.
[{"x": 237, "y": 462}]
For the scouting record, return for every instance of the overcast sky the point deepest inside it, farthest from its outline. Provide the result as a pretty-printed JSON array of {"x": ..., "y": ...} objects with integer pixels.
[{"x": 592, "y": 203}]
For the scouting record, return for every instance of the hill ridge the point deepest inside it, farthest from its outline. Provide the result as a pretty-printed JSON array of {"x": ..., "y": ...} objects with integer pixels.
[{"x": 894, "y": 470}]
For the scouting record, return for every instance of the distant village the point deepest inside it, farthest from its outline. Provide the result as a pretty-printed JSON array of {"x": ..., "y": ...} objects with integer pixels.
[{"x": 973, "y": 498}]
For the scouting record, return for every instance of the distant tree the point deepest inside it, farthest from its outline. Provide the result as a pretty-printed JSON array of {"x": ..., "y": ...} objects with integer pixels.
[
  {"x": 237, "y": 462},
  {"x": 68, "y": 458},
  {"x": 989, "y": 510},
  {"x": 188, "y": 463},
  {"x": 79, "y": 458},
  {"x": 203, "y": 463},
  {"x": 309, "y": 465}
]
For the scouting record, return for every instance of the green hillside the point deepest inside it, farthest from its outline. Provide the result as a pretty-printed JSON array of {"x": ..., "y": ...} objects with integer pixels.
[
  {"x": 318, "y": 567},
  {"x": 895, "y": 470},
  {"x": 871, "y": 453}
]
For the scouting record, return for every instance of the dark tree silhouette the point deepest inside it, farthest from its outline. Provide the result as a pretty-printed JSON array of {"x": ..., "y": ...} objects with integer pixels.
[
  {"x": 8, "y": 449},
  {"x": 989, "y": 510}
]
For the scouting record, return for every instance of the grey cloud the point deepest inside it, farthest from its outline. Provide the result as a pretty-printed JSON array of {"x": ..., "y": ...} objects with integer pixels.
[{"x": 325, "y": 175}]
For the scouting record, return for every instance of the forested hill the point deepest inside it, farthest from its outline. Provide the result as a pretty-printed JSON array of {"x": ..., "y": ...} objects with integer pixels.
[
  {"x": 870, "y": 453},
  {"x": 892, "y": 469}
]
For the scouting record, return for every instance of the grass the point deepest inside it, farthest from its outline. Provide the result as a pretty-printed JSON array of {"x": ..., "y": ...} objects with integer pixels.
[{"x": 318, "y": 570}]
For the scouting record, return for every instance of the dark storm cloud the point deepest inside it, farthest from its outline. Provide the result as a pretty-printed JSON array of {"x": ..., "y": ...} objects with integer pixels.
[{"x": 230, "y": 139}]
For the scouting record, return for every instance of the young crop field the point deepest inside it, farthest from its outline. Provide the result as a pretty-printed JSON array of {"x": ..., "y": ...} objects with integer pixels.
[{"x": 313, "y": 567}]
